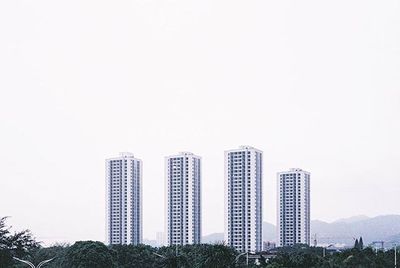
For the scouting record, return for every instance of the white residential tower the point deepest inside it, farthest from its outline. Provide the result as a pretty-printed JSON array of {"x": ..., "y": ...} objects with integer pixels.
[
  {"x": 243, "y": 199},
  {"x": 293, "y": 207},
  {"x": 124, "y": 200},
  {"x": 183, "y": 199}
]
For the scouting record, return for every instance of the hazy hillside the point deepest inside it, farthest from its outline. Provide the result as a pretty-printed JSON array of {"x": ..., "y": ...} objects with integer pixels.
[
  {"x": 383, "y": 228},
  {"x": 343, "y": 231},
  {"x": 213, "y": 238},
  {"x": 353, "y": 219},
  {"x": 269, "y": 232}
]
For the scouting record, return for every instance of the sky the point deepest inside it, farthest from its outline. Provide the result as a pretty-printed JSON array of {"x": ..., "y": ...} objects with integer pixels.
[{"x": 314, "y": 84}]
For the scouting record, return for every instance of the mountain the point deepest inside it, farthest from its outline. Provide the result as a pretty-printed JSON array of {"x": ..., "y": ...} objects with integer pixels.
[
  {"x": 269, "y": 232},
  {"x": 149, "y": 242},
  {"x": 393, "y": 239},
  {"x": 213, "y": 238},
  {"x": 344, "y": 231},
  {"x": 353, "y": 219}
]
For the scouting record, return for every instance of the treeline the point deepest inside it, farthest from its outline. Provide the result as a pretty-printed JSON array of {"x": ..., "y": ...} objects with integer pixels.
[
  {"x": 96, "y": 255},
  {"x": 90, "y": 254},
  {"x": 303, "y": 256}
]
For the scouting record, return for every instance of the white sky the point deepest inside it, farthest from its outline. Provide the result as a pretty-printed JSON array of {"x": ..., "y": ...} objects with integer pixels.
[{"x": 314, "y": 84}]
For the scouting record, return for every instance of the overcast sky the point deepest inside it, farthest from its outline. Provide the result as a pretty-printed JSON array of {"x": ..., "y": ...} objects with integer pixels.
[{"x": 315, "y": 84}]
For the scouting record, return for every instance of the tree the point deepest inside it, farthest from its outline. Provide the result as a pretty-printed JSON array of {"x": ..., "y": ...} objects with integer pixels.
[
  {"x": 5, "y": 254},
  {"x": 5, "y": 258},
  {"x": 88, "y": 254},
  {"x": 263, "y": 261},
  {"x": 213, "y": 256},
  {"x": 275, "y": 265},
  {"x": 56, "y": 251},
  {"x": 361, "y": 244},
  {"x": 356, "y": 245},
  {"x": 299, "y": 256},
  {"x": 22, "y": 243},
  {"x": 174, "y": 257},
  {"x": 127, "y": 256},
  {"x": 17, "y": 244}
]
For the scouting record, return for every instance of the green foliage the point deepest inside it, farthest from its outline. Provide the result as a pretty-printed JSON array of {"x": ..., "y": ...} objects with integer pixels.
[
  {"x": 5, "y": 258},
  {"x": 173, "y": 257},
  {"x": 356, "y": 244},
  {"x": 301, "y": 256},
  {"x": 360, "y": 244},
  {"x": 88, "y": 254},
  {"x": 18, "y": 244},
  {"x": 56, "y": 251},
  {"x": 126, "y": 256},
  {"x": 209, "y": 256},
  {"x": 311, "y": 257}
]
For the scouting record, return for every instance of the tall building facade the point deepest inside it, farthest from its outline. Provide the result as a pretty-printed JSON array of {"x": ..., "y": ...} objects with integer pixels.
[
  {"x": 124, "y": 200},
  {"x": 183, "y": 199},
  {"x": 243, "y": 199},
  {"x": 293, "y": 207}
]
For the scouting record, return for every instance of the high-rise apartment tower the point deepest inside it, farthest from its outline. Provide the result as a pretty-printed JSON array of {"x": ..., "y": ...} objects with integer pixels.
[
  {"x": 183, "y": 199},
  {"x": 124, "y": 200},
  {"x": 293, "y": 207},
  {"x": 243, "y": 199}
]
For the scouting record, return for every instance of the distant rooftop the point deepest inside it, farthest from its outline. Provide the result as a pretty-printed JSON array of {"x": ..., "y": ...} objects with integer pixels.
[
  {"x": 183, "y": 154},
  {"x": 186, "y": 153},
  {"x": 242, "y": 148},
  {"x": 126, "y": 154},
  {"x": 246, "y": 147},
  {"x": 295, "y": 169}
]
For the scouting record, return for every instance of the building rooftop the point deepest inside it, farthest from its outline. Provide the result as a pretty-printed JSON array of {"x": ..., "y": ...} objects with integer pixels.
[
  {"x": 295, "y": 169},
  {"x": 126, "y": 154},
  {"x": 246, "y": 147},
  {"x": 186, "y": 153}
]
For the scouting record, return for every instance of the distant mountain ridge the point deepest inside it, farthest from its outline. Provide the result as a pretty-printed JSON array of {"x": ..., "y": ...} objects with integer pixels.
[
  {"x": 343, "y": 231},
  {"x": 213, "y": 238},
  {"x": 353, "y": 219},
  {"x": 381, "y": 228}
]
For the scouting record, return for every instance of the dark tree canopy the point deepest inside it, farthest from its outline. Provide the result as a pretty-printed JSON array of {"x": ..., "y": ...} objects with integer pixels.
[
  {"x": 356, "y": 244},
  {"x": 18, "y": 244},
  {"x": 88, "y": 254},
  {"x": 360, "y": 244},
  {"x": 128, "y": 256}
]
